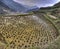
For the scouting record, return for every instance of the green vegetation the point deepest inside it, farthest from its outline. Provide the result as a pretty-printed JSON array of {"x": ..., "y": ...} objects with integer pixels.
[
  {"x": 53, "y": 15},
  {"x": 34, "y": 30}
]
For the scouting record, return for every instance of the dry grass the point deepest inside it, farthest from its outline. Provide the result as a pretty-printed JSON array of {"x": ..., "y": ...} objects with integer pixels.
[{"x": 25, "y": 32}]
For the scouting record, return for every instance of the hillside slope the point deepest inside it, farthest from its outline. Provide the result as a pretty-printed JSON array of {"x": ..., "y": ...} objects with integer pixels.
[
  {"x": 12, "y": 6},
  {"x": 39, "y": 30},
  {"x": 53, "y": 15},
  {"x": 9, "y": 6}
]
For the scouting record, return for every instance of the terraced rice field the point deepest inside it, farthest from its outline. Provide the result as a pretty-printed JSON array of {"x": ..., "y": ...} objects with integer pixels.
[{"x": 25, "y": 32}]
